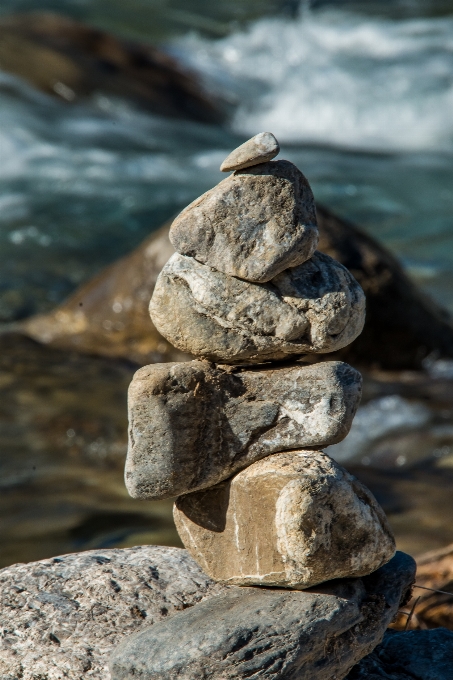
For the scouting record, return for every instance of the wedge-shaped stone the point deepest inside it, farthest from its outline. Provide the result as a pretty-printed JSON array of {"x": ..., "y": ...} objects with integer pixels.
[
  {"x": 315, "y": 307},
  {"x": 192, "y": 424},
  {"x": 253, "y": 225},
  {"x": 274, "y": 634},
  {"x": 292, "y": 520},
  {"x": 259, "y": 149}
]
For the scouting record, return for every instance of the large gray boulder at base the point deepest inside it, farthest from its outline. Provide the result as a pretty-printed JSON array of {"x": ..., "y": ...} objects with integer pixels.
[
  {"x": 61, "y": 618},
  {"x": 291, "y": 520},
  {"x": 254, "y": 224},
  {"x": 409, "y": 655},
  {"x": 193, "y": 424},
  {"x": 273, "y": 634},
  {"x": 315, "y": 307}
]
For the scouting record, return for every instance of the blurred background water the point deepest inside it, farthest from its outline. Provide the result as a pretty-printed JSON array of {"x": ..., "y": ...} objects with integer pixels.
[{"x": 360, "y": 95}]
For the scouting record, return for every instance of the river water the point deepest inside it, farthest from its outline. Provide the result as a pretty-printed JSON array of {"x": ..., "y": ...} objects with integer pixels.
[{"x": 360, "y": 97}]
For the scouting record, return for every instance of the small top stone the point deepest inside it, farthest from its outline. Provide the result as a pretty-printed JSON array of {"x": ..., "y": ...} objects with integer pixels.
[{"x": 259, "y": 149}]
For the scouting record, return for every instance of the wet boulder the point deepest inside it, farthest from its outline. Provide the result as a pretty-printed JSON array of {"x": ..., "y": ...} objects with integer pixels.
[
  {"x": 71, "y": 60},
  {"x": 402, "y": 325}
]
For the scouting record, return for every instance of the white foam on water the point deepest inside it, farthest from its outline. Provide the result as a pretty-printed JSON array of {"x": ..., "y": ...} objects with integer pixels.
[
  {"x": 334, "y": 77},
  {"x": 379, "y": 418}
]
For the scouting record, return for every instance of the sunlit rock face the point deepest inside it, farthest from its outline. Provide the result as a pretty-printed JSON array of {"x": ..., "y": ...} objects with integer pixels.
[
  {"x": 317, "y": 307},
  {"x": 253, "y": 225},
  {"x": 292, "y": 520},
  {"x": 193, "y": 424}
]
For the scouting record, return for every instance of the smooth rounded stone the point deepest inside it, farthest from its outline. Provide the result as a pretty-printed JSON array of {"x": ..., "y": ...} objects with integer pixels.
[
  {"x": 317, "y": 307},
  {"x": 409, "y": 655},
  {"x": 261, "y": 148},
  {"x": 192, "y": 424},
  {"x": 266, "y": 633},
  {"x": 291, "y": 520},
  {"x": 62, "y": 617},
  {"x": 253, "y": 225}
]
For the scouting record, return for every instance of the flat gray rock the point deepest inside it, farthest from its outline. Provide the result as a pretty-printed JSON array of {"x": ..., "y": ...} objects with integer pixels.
[
  {"x": 62, "y": 617},
  {"x": 316, "y": 307},
  {"x": 193, "y": 424},
  {"x": 273, "y": 634},
  {"x": 291, "y": 520},
  {"x": 409, "y": 655},
  {"x": 261, "y": 148},
  {"x": 253, "y": 225}
]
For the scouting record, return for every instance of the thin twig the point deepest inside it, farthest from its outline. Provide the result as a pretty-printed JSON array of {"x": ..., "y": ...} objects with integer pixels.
[
  {"x": 433, "y": 590},
  {"x": 411, "y": 612}
]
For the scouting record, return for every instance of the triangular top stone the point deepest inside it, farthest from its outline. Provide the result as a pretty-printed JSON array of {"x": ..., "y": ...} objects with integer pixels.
[{"x": 259, "y": 149}]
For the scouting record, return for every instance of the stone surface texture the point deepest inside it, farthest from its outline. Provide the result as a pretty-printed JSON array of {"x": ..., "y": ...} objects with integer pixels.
[
  {"x": 192, "y": 424},
  {"x": 62, "y": 617},
  {"x": 410, "y": 655},
  {"x": 293, "y": 519},
  {"x": 261, "y": 148},
  {"x": 315, "y": 307},
  {"x": 253, "y": 225},
  {"x": 275, "y": 634}
]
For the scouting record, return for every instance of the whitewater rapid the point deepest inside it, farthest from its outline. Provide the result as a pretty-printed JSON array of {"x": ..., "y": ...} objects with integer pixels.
[{"x": 339, "y": 78}]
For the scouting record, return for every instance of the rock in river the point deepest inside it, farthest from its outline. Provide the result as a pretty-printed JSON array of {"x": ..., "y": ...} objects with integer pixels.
[
  {"x": 402, "y": 326},
  {"x": 261, "y": 148},
  {"x": 71, "y": 60},
  {"x": 253, "y": 225},
  {"x": 265, "y": 633},
  {"x": 315, "y": 307},
  {"x": 291, "y": 520},
  {"x": 193, "y": 424}
]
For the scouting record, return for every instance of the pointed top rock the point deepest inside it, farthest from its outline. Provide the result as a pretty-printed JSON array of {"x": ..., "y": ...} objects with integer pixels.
[{"x": 259, "y": 149}]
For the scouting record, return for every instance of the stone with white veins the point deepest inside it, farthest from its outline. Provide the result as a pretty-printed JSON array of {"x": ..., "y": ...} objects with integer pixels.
[
  {"x": 316, "y": 307},
  {"x": 253, "y": 225},
  {"x": 194, "y": 424},
  {"x": 291, "y": 520},
  {"x": 261, "y": 148}
]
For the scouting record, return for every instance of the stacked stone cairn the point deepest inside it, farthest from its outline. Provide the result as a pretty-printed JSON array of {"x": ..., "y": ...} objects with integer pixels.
[{"x": 237, "y": 435}]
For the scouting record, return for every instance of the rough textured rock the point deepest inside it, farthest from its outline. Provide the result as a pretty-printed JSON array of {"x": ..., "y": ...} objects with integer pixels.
[
  {"x": 62, "y": 617},
  {"x": 280, "y": 635},
  {"x": 315, "y": 307},
  {"x": 261, "y": 148},
  {"x": 401, "y": 328},
  {"x": 411, "y": 655},
  {"x": 71, "y": 60},
  {"x": 253, "y": 225},
  {"x": 192, "y": 424},
  {"x": 291, "y": 520}
]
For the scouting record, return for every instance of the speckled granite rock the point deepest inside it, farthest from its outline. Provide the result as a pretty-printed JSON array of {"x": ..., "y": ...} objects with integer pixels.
[
  {"x": 274, "y": 634},
  {"x": 253, "y": 225},
  {"x": 291, "y": 520},
  {"x": 315, "y": 307},
  {"x": 61, "y": 617},
  {"x": 410, "y": 655},
  {"x": 261, "y": 148},
  {"x": 193, "y": 424}
]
